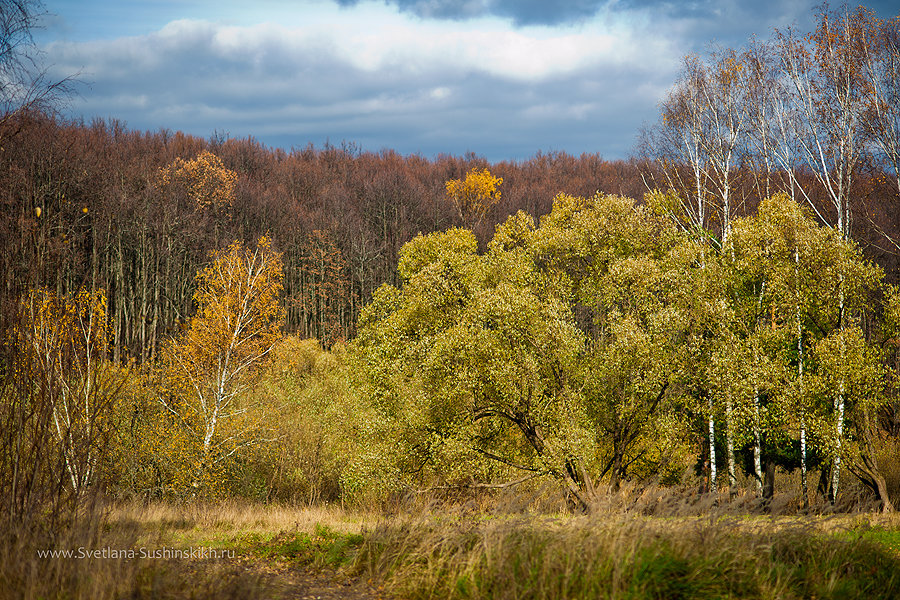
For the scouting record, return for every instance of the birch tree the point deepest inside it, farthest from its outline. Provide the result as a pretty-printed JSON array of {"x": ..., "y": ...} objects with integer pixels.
[
  {"x": 66, "y": 339},
  {"x": 676, "y": 146},
  {"x": 825, "y": 72},
  {"x": 881, "y": 76},
  {"x": 208, "y": 370},
  {"x": 725, "y": 123},
  {"x": 797, "y": 268}
]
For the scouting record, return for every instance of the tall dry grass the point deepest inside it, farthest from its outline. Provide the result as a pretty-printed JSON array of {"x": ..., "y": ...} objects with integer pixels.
[
  {"x": 624, "y": 557},
  {"x": 234, "y": 516}
]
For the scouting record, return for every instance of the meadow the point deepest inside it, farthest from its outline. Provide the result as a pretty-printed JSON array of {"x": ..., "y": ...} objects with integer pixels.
[{"x": 474, "y": 549}]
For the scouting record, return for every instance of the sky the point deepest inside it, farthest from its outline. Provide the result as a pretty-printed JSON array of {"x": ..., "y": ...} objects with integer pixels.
[{"x": 504, "y": 79}]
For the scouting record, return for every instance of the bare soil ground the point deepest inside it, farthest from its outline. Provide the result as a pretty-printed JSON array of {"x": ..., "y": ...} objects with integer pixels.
[{"x": 289, "y": 582}]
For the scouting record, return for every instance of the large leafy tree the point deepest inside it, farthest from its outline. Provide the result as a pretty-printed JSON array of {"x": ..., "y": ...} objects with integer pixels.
[
  {"x": 611, "y": 260},
  {"x": 550, "y": 354},
  {"x": 471, "y": 362}
]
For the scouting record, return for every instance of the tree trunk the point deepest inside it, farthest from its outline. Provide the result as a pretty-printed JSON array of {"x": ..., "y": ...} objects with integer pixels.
[
  {"x": 729, "y": 445},
  {"x": 615, "y": 476},
  {"x": 804, "y": 482},
  {"x": 838, "y": 409},
  {"x": 866, "y": 467},
  {"x": 757, "y": 446}
]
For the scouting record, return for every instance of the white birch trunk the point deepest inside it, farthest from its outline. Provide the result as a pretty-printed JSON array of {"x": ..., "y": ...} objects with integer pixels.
[{"x": 804, "y": 482}]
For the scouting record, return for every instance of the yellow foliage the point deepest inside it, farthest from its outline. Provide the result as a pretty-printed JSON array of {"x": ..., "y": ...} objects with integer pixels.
[
  {"x": 207, "y": 372},
  {"x": 62, "y": 343},
  {"x": 476, "y": 194},
  {"x": 239, "y": 314},
  {"x": 204, "y": 178},
  {"x": 59, "y": 324}
]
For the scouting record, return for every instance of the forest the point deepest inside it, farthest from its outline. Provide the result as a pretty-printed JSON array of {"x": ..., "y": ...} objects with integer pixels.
[{"x": 709, "y": 326}]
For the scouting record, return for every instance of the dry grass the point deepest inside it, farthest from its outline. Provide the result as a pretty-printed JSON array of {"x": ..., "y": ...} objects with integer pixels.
[
  {"x": 237, "y": 516},
  {"x": 487, "y": 547},
  {"x": 99, "y": 569},
  {"x": 240, "y": 531},
  {"x": 628, "y": 557}
]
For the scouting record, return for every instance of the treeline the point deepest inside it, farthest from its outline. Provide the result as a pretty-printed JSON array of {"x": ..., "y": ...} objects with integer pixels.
[
  {"x": 90, "y": 206},
  {"x": 554, "y": 318}
]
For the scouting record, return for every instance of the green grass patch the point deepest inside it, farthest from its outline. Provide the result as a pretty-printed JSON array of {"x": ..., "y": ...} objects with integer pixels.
[
  {"x": 887, "y": 538},
  {"x": 322, "y": 548}
]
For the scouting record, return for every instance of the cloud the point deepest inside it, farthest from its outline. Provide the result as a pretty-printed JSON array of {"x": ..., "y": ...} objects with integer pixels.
[
  {"x": 380, "y": 80},
  {"x": 521, "y": 12},
  {"x": 503, "y": 78},
  {"x": 726, "y": 14}
]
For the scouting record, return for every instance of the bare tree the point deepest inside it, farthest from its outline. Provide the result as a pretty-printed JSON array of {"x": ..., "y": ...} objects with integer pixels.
[
  {"x": 881, "y": 73},
  {"x": 24, "y": 82}
]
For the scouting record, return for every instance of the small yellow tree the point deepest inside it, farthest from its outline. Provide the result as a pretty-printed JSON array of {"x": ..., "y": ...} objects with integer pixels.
[
  {"x": 64, "y": 340},
  {"x": 204, "y": 179},
  {"x": 238, "y": 322},
  {"x": 474, "y": 196}
]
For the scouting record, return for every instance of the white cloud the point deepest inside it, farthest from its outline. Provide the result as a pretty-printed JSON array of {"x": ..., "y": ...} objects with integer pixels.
[
  {"x": 440, "y": 93},
  {"x": 373, "y": 40},
  {"x": 371, "y": 72}
]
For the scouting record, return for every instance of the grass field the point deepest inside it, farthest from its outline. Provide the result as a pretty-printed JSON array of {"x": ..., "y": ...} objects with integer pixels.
[{"x": 234, "y": 550}]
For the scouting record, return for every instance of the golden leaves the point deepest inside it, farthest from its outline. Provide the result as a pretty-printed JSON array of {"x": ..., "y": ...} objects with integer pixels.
[
  {"x": 476, "y": 194},
  {"x": 75, "y": 325},
  {"x": 205, "y": 180},
  {"x": 207, "y": 372}
]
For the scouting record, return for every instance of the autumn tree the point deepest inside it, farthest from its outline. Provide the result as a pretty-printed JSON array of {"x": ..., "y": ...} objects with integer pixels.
[
  {"x": 696, "y": 146},
  {"x": 204, "y": 179},
  {"x": 676, "y": 148},
  {"x": 475, "y": 195},
  {"x": 881, "y": 75},
  {"x": 551, "y": 354},
  {"x": 62, "y": 343},
  {"x": 792, "y": 269},
  {"x": 825, "y": 75},
  {"x": 209, "y": 369},
  {"x": 608, "y": 258},
  {"x": 469, "y": 363}
]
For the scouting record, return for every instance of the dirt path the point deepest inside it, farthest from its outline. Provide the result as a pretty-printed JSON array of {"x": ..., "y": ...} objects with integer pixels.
[
  {"x": 321, "y": 586},
  {"x": 285, "y": 582}
]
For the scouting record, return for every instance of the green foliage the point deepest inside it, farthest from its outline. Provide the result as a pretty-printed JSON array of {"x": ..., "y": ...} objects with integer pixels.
[
  {"x": 479, "y": 360},
  {"x": 323, "y": 548},
  {"x": 318, "y": 423},
  {"x": 590, "y": 349},
  {"x": 590, "y": 346}
]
